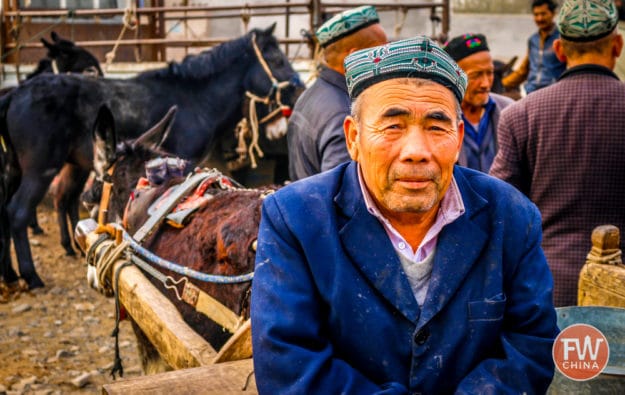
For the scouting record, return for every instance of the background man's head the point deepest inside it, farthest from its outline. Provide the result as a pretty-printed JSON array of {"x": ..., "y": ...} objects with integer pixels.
[
  {"x": 588, "y": 32},
  {"x": 544, "y": 12},
  {"x": 347, "y": 32},
  {"x": 406, "y": 129},
  {"x": 471, "y": 53}
]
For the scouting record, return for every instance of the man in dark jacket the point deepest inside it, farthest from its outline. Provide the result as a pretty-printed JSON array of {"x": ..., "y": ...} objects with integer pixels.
[
  {"x": 315, "y": 130},
  {"x": 480, "y": 107},
  {"x": 563, "y": 145}
]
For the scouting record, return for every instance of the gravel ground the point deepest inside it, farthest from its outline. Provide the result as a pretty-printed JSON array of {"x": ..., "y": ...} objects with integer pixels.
[{"x": 57, "y": 340}]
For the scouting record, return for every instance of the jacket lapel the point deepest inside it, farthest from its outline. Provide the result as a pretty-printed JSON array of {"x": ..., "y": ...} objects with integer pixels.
[
  {"x": 370, "y": 249},
  {"x": 459, "y": 246}
]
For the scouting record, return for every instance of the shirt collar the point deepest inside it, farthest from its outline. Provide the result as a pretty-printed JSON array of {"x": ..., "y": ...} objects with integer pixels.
[{"x": 451, "y": 208}]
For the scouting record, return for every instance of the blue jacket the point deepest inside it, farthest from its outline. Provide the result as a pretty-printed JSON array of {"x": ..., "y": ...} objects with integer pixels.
[
  {"x": 333, "y": 312},
  {"x": 544, "y": 66}
]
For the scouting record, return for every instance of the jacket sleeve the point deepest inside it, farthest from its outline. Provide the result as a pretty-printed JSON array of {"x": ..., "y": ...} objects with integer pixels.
[
  {"x": 510, "y": 164},
  {"x": 292, "y": 352},
  {"x": 529, "y": 328},
  {"x": 332, "y": 146}
]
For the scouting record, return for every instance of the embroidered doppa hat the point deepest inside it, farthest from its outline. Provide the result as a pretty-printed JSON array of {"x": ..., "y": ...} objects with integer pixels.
[
  {"x": 467, "y": 44},
  {"x": 587, "y": 20},
  {"x": 417, "y": 57},
  {"x": 346, "y": 23}
]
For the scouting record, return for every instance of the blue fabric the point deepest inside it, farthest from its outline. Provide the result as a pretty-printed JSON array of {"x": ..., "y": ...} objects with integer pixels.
[
  {"x": 482, "y": 127},
  {"x": 480, "y": 147},
  {"x": 545, "y": 68},
  {"x": 333, "y": 312}
]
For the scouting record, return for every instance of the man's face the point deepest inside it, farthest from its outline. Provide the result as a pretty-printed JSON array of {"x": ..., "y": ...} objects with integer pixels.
[
  {"x": 543, "y": 17},
  {"x": 406, "y": 140},
  {"x": 481, "y": 73}
]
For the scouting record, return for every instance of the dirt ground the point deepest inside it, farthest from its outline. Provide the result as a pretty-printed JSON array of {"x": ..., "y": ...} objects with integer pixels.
[{"x": 57, "y": 340}]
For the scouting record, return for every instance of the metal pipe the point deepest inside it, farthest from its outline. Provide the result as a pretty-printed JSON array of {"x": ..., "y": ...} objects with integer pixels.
[{"x": 155, "y": 41}]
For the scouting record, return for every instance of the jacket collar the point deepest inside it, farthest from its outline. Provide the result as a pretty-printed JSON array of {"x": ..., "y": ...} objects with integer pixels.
[
  {"x": 333, "y": 77},
  {"x": 370, "y": 249}
]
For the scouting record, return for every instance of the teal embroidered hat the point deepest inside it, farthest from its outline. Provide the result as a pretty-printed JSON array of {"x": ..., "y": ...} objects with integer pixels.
[
  {"x": 587, "y": 20},
  {"x": 417, "y": 57},
  {"x": 346, "y": 23}
]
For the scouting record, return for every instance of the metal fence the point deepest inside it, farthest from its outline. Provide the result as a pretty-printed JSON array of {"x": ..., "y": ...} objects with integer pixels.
[{"x": 155, "y": 31}]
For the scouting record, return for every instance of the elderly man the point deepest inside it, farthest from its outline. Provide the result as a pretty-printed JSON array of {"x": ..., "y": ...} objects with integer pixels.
[
  {"x": 315, "y": 130},
  {"x": 541, "y": 67},
  {"x": 400, "y": 272},
  {"x": 563, "y": 146},
  {"x": 480, "y": 107}
]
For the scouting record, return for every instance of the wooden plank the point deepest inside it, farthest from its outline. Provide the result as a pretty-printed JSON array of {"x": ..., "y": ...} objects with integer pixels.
[
  {"x": 175, "y": 341},
  {"x": 239, "y": 346},
  {"x": 602, "y": 285},
  {"x": 228, "y": 378}
]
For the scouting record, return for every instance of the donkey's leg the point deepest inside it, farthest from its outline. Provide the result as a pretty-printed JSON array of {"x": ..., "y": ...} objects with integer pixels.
[
  {"x": 67, "y": 204},
  {"x": 21, "y": 210},
  {"x": 151, "y": 361},
  {"x": 6, "y": 269},
  {"x": 34, "y": 225}
]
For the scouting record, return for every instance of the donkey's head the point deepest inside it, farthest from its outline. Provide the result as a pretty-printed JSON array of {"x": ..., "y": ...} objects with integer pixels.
[
  {"x": 69, "y": 57},
  {"x": 272, "y": 75},
  {"x": 122, "y": 163}
]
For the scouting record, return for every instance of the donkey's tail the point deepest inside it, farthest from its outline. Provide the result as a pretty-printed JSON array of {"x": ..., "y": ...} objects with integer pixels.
[{"x": 11, "y": 172}]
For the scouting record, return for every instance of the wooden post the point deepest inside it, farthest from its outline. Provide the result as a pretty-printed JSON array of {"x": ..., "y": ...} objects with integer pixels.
[{"x": 602, "y": 278}]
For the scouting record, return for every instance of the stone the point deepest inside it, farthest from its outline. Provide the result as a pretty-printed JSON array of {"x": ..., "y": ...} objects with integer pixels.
[
  {"x": 21, "y": 308},
  {"x": 63, "y": 354},
  {"x": 81, "y": 380}
]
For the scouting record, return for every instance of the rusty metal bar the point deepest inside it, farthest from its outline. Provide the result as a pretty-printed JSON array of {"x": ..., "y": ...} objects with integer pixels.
[
  {"x": 155, "y": 41},
  {"x": 386, "y": 5},
  {"x": 146, "y": 10},
  {"x": 225, "y": 16}
]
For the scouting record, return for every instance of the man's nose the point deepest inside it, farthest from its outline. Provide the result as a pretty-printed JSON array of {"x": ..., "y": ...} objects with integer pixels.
[{"x": 416, "y": 146}]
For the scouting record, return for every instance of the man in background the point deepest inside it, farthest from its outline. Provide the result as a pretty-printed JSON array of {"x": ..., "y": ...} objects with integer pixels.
[
  {"x": 480, "y": 107},
  {"x": 563, "y": 145},
  {"x": 541, "y": 67},
  {"x": 315, "y": 131}
]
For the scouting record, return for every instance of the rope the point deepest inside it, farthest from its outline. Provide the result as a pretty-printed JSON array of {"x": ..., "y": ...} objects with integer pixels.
[
  {"x": 129, "y": 22},
  {"x": 600, "y": 256},
  {"x": 252, "y": 127},
  {"x": 402, "y": 19},
  {"x": 117, "y": 364},
  {"x": 62, "y": 19},
  {"x": 177, "y": 268}
]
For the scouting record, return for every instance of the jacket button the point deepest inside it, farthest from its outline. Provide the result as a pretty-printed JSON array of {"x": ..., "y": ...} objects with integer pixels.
[{"x": 421, "y": 336}]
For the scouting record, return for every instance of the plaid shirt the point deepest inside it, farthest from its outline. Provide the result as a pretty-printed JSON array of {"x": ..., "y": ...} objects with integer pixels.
[{"x": 564, "y": 146}]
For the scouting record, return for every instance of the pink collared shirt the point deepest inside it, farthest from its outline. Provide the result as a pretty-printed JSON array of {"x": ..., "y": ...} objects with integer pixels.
[{"x": 451, "y": 208}]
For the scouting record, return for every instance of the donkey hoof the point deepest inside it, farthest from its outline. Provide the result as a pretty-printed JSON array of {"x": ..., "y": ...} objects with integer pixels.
[
  {"x": 69, "y": 251},
  {"x": 37, "y": 230},
  {"x": 34, "y": 282}
]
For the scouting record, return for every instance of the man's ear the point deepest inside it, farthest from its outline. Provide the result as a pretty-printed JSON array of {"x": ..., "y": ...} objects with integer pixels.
[
  {"x": 350, "y": 127},
  {"x": 460, "y": 137},
  {"x": 617, "y": 46},
  {"x": 558, "y": 48}
]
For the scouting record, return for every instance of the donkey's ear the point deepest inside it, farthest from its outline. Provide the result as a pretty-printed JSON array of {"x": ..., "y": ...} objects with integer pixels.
[
  {"x": 269, "y": 31},
  {"x": 55, "y": 36},
  {"x": 156, "y": 136},
  {"x": 47, "y": 44},
  {"x": 104, "y": 135}
]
